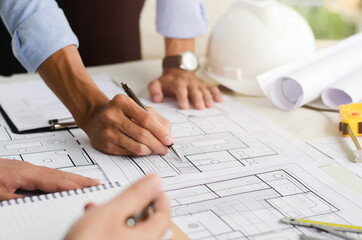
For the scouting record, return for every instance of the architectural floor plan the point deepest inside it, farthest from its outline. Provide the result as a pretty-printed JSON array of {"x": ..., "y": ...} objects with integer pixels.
[
  {"x": 250, "y": 203},
  {"x": 59, "y": 150},
  {"x": 224, "y": 137}
]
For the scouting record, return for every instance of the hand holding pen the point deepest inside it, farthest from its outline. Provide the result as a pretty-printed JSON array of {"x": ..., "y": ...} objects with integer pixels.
[
  {"x": 110, "y": 220},
  {"x": 122, "y": 127},
  {"x": 132, "y": 95}
]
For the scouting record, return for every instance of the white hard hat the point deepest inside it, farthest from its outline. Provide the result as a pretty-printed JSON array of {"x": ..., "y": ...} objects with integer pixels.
[{"x": 253, "y": 37}]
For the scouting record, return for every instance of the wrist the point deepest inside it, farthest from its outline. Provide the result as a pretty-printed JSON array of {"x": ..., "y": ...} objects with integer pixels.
[
  {"x": 176, "y": 72},
  {"x": 66, "y": 76},
  {"x": 175, "y": 46}
]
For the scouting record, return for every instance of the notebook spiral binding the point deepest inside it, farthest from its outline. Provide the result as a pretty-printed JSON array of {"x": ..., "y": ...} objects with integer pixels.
[{"x": 56, "y": 195}]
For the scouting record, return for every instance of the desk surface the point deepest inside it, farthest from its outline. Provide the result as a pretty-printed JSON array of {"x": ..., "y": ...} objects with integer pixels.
[{"x": 305, "y": 124}]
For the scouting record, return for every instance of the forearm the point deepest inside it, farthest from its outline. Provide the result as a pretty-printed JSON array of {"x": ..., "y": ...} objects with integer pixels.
[
  {"x": 66, "y": 76},
  {"x": 175, "y": 46}
]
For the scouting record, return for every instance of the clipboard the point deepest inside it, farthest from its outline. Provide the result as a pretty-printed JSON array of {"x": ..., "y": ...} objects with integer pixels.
[
  {"x": 31, "y": 107},
  {"x": 51, "y": 128}
]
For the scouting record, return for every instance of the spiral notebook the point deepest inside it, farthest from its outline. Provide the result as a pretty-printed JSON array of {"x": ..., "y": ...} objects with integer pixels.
[{"x": 50, "y": 216}]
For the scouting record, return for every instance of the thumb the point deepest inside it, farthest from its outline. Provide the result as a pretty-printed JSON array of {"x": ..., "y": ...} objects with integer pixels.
[{"x": 155, "y": 90}]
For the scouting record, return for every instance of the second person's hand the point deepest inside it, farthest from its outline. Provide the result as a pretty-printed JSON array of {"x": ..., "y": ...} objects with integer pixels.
[
  {"x": 108, "y": 221},
  {"x": 16, "y": 175}
]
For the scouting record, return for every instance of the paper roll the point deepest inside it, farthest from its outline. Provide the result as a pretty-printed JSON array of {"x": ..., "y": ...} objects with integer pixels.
[
  {"x": 301, "y": 81},
  {"x": 346, "y": 90}
]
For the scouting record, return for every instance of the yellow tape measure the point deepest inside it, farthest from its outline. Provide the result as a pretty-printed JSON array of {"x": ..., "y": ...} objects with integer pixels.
[{"x": 351, "y": 114}]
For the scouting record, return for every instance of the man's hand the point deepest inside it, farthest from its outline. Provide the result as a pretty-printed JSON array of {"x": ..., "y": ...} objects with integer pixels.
[
  {"x": 122, "y": 127},
  {"x": 119, "y": 126},
  {"x": 184, "y": 85},
  {"x": 108, "y": 221},
  {"x": 16, "y": 174}
]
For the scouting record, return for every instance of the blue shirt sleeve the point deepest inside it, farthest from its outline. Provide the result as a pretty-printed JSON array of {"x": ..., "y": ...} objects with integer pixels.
[
  {"x": 181, "y": 18},
  {"x": 38, "y": 28}
]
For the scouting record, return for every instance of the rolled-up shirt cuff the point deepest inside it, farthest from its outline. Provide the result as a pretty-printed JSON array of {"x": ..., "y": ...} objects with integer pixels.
[
  {"x": 41, "y": 35},
  {"x": 181, "y": 18}
]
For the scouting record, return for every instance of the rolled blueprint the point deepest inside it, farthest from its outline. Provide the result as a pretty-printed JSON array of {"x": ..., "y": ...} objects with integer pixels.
[
  {"x": 301, "y": 81},
  {"x": 346, "y": 90}
]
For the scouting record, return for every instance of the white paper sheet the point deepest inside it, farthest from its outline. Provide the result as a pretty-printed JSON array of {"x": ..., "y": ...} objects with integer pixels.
[
  {"x": 301, "y": 81},
  {"x": 346, "y": 90},
  {"x": 341, "y": 150},
  {"x": 31, "y": 104}
]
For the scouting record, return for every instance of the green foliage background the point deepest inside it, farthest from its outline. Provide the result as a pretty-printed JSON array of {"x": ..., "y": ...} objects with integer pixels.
[{"x": 325, "y": 24}]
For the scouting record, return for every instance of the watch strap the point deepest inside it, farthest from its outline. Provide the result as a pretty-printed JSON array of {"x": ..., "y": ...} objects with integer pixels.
[{"x": 172, "y": 62}]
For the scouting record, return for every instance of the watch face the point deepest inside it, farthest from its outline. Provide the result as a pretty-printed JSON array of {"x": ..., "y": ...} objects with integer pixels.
[{"x": 190, "y": 61}]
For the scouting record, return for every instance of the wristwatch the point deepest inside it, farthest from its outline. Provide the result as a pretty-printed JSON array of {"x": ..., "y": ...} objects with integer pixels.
[{"x": 187, "y": 61}]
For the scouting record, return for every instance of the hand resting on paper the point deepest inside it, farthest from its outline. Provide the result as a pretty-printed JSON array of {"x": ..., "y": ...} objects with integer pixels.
[
  {"x": 184, "y": 85},
  {"x": 22, "y": 175},
  {"x": 108, "y": 221}
]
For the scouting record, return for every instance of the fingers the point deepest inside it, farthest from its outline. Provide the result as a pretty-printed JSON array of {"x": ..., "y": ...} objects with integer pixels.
[
  {"x": 216, "y": 94},
  {"x": 182, "y": 95},
  {"x": 132, "y": 128},
  {"x": 185, "y": 85},
  {"x": 155, "y": 90},
  {"x": 165, "y": 122},
  {"x": 138, "y": 196},
  {"x": 150, "y": 122},
  {"x": 114, "y": 149},
  {"x": 197, "y": 97},
  {"x": 158, "y": 223},
  {"x": 8, "y": 196},
  {"x": 132, "y": 131},
  {"x": 52, "y": 180},
  {"x": 208, "y": 99},
  {"x": 148, "y": 141},
  {"x": 89, "y": 206}
]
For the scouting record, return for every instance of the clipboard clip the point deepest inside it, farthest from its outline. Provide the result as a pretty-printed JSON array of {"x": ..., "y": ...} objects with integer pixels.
[{"x": 58, "y": 124}]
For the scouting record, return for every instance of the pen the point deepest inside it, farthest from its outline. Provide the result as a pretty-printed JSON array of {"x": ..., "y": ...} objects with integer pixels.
[
  {"x": 132, "y": 95},
  {"x": 140, "y": 216}
]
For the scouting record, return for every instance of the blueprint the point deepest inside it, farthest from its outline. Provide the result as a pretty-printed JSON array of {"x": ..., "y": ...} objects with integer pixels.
[
  {"x": 341, "y": 150},
  {"x": 224, "y": 137},
  {"x": 59, "y": 150},
  {"x": 248, "y": 204},
  {"x": 240, "y": 172}
]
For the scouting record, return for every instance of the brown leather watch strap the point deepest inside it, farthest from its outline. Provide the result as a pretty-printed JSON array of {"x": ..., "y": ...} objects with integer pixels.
[{"x": 172, "y": 62}]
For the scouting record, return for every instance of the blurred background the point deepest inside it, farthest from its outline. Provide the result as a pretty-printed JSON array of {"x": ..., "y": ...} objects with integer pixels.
[{"x": 330, "y": 20}]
